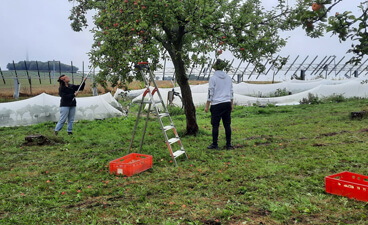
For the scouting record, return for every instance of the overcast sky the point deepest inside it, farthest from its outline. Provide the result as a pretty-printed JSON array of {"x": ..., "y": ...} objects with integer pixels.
[{"x": 40, "y": 30}]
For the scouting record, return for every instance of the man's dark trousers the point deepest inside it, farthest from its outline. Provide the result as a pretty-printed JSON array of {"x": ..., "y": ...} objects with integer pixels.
[{"x": 218, "y": 112}]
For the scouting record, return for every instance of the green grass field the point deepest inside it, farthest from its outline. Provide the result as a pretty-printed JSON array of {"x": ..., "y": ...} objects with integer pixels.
[{"x": 275, "y": 175}]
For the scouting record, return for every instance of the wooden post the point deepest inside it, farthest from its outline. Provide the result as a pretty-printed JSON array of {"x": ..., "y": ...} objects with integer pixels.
[
  {"x": 29, "y": 78},
  {"x": 60, "y": 68},
  {"x": 72, "y": 72},
  {"x": 2, "y": 75},
  {"x": 48, "y": 66},
  {"x": 16, "y": 83},
  {"x": 38, "y": 71}
]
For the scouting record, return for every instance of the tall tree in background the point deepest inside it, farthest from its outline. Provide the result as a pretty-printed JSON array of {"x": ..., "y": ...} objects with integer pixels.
[{"x": 192, "y": 31}]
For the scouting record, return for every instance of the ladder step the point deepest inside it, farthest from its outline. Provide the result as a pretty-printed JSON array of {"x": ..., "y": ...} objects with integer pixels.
[
  {"x": 163, "y": 115},
  {"x": 178, "y": 153},
  {"x": 173, "y": 140},
  {"x": 166, "y": 128},
  {"x": 148, "y": 102}
]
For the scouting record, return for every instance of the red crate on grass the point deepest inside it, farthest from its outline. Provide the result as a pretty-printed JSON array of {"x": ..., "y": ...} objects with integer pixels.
[
  {"x": 131, "y": 164},
  {"x": 351, "y": 185}
]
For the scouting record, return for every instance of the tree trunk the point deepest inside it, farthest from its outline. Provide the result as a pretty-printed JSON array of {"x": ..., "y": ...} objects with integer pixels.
[{"x": 186, "y": 93}]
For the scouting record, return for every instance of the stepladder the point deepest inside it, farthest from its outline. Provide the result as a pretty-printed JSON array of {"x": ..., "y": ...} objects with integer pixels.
[{"x": 153, "y": 102}]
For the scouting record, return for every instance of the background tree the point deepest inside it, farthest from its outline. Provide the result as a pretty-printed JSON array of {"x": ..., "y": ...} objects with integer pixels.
[
  {"x": 42, "y": 66},
  {"x": 188, "y": 31}
]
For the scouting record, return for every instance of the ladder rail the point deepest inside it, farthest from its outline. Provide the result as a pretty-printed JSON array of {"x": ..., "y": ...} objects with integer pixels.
[
  {"x": 160, "y": 116},
  {"x": 136, "y": 125}
]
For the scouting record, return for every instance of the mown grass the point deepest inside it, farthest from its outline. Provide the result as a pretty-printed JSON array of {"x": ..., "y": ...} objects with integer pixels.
[{"x": 275, "y": 175}]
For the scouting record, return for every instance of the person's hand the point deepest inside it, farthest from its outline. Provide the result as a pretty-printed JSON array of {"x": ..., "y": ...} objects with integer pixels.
[
  {"x": 85, "y": 78},
  {"x": 206, "y": 109},
  {"x": 76, "y": 93}
]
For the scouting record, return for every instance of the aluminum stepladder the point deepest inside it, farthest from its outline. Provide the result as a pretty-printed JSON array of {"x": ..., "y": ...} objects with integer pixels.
[{"x": 170, "y": 140}]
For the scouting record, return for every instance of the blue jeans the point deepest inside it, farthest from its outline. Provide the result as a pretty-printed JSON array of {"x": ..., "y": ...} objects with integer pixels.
[{"x": 66, "y": 113}]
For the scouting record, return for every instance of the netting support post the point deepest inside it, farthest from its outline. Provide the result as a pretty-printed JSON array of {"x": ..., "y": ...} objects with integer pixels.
[{"x": 16, "y": 88}]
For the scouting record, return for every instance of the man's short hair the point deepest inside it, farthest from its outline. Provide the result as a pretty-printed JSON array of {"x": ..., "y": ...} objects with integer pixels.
[{"x": 219, "y": 64}]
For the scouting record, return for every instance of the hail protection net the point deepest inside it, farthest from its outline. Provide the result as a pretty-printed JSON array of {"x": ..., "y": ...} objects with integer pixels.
[{"x": 44, "y": 107}]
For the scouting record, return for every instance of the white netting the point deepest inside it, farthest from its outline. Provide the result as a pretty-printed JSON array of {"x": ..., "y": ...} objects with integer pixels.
[
  {"x": 248, "y": 94},
  {"x": 44, "y": 107}
]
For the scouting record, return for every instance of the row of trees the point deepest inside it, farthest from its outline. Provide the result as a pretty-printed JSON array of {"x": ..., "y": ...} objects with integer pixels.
[
  {"x": 41, "y": 66},
  {"x": 191, "y": 31}
]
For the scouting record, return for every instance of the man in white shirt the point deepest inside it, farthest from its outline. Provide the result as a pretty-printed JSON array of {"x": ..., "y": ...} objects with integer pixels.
[{"x": 220, "y": 97}]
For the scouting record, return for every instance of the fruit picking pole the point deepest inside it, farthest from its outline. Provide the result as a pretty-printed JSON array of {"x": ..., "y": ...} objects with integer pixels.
[
  {"x": 84, "y": 79},
  {"x": 82, "y": 82}
]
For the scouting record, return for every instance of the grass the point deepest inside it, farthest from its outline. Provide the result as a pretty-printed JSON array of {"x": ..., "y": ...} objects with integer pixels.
[{"x": 275, "y": 174}]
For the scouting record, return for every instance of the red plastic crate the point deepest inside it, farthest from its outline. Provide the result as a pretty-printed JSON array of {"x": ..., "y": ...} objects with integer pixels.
[
  {"x": 351, "y": 185},
  {"x": 131, "y": 164}
]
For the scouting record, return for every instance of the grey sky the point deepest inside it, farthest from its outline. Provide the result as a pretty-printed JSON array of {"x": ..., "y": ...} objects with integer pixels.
[{"x": 40, "y": 30}]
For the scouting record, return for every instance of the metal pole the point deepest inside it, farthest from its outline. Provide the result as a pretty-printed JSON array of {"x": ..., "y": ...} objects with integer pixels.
[
  {"x": 349, "y": 71},
  {"x": 334, "y": 68},
  {"x": 29, "y": 78},
  {"x": 301, "y": 64},
  {"x": 318, "y": 65},
  {"x": 341, "y": 69},
  {"x": 272, "y": 65},
  {"x": 71, "y": 63},
  {"x": 163, "y": 73},
  {"x": 291, "y": 65},
  {"x": 199, "y": 74},
  {"x": 245, "y": 71},
  {"x": 282, "y": 66},
  {"x": 311, "y": 63},
  {"x": 191, "y": 70},
  {"x": 53, "y": 71},
  {"x": 361, "y": 66},
  {"x": 2, "y": 75},
  {"x": 60, "y": 68},
  {"x": 231, "y": 65},
  {"x": 209, "y": 68},
  {"x": 321, "y": 67},
  {"x": 363, "y": 70},
  {"x": 252, "y": 72},
  {"x": 262, "y": 71},
  {"x": 38, "y": 71},
  {"x": 237, "y": 68},
  {"x": 325, "y": 67},
  {"x": 48, "y": 67},
  {"x": 15, "y": 70}
]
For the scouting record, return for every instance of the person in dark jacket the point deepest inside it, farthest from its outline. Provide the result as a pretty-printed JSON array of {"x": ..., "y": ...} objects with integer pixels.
[{"x": 68, "y": 104}]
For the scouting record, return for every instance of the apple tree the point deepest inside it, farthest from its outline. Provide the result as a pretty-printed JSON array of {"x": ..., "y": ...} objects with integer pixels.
[
  {"x": 319, "y": 17},
  {"x": 186, "y": 31}
]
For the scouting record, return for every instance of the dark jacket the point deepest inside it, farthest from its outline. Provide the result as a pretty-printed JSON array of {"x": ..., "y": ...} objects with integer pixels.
[{"x": 67, "y": 95}]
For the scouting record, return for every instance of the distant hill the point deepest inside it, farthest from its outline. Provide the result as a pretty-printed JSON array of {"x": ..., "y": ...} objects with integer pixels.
[{"x": 42, "y": 66}]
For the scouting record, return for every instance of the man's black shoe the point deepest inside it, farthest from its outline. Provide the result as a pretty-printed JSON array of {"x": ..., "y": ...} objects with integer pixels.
[
  {"x": 229, "y": 147},
  {"x": 70, "y": 133},
  {"x": 212, "y": 146}
]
